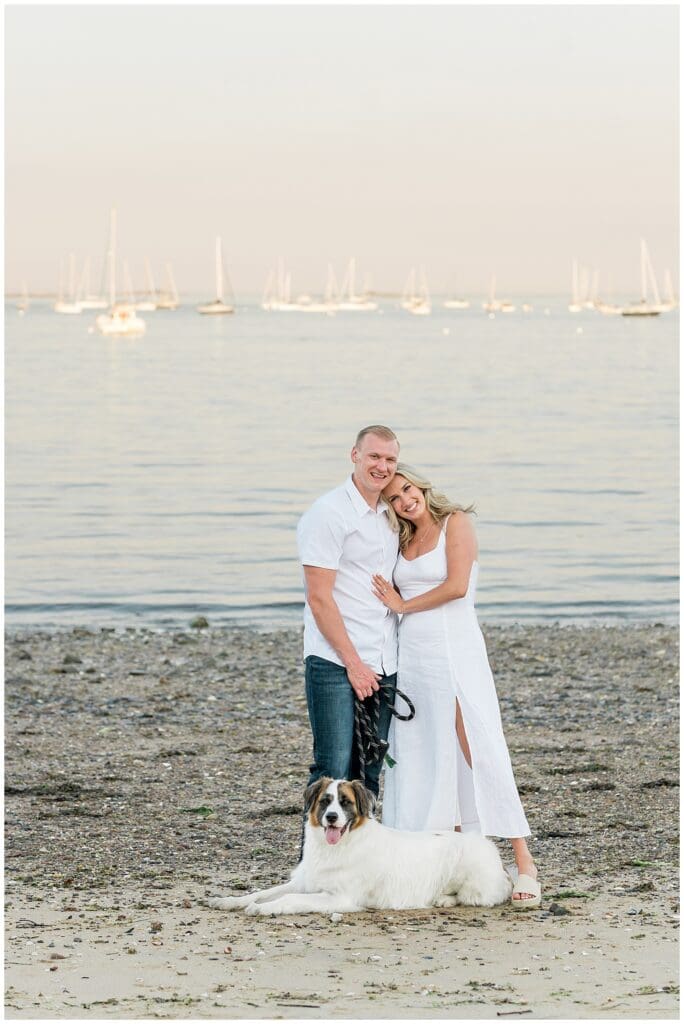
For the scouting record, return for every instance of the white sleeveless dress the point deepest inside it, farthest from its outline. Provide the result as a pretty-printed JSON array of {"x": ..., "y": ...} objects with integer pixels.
[{"x": 442, "y": 659}]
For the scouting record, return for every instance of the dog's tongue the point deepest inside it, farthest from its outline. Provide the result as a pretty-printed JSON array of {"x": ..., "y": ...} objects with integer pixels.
[{"x": 333, "y": 835}]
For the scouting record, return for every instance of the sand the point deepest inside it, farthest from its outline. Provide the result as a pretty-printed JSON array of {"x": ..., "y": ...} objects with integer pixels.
[{"x": 146, "y": 770}]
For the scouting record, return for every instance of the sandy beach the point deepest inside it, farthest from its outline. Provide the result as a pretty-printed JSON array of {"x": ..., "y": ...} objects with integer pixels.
[{"x": 146, "y": 770}]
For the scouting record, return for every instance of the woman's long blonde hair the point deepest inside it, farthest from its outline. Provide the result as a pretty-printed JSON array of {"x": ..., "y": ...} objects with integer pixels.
[{"x": 438, "y": 505}]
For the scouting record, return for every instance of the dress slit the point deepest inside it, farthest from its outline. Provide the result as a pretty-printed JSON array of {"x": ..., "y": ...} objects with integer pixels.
[{"x": 443, "y": 665}]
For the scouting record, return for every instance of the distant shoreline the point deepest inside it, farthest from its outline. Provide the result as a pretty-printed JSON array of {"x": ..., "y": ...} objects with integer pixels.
[{"x": 255, "y": 298}]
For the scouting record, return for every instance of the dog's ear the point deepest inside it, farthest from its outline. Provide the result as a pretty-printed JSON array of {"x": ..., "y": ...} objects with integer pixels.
[
  {"x": 365, "y": 800},
  {"x": 312, "y": 793}
]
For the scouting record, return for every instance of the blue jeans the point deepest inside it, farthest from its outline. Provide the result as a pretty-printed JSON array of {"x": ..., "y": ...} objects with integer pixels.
[{"x": 330, "y": 700}]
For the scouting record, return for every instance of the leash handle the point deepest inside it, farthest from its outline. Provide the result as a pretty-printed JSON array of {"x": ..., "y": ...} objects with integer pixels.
[{"x": 399, "y": 693}]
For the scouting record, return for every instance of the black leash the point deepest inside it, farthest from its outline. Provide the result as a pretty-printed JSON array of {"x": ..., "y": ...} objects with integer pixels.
[{"x": 370, "y": 747}]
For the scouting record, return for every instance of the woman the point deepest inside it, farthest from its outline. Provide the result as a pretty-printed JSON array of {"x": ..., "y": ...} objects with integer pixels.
[{"x": 452, "y": 766}]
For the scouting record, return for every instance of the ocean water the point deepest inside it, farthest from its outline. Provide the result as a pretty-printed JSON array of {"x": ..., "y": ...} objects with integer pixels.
[{"x": 151, "y": 479}]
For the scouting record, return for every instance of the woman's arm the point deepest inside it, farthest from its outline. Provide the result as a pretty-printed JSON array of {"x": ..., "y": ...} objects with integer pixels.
[{"x": 461, "y": 552}]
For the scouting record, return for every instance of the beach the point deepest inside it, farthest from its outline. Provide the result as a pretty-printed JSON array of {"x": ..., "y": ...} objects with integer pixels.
[{"x": 147, "y": 769}]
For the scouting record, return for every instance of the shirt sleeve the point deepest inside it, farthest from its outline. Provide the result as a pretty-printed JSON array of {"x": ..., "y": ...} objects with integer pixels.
[{"x": 321, "y": 533}]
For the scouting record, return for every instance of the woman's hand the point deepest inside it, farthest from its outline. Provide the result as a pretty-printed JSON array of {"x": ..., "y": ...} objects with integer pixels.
[{"x": 386, "y": 593}]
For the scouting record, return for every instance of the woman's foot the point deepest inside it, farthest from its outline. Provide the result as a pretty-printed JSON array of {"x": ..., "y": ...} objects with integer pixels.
[{"x": 526, "y": 866}]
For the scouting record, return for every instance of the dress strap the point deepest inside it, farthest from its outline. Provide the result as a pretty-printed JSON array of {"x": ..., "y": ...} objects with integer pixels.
[{"x": 446, "y": 520}]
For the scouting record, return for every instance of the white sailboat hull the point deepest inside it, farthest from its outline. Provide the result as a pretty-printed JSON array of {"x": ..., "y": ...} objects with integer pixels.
[
  {"x": 215, "y": 308},
  {"x": 641, "y": 309},
  {"x": 362, "y": 306},
  {"x": 420, "y": 308},
  {"x": 121, "y": 320},
  {"x": 608, "y": 310}
]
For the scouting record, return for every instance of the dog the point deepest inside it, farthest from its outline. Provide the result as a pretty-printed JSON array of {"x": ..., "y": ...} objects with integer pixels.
[{"x": 351, "y": 862}]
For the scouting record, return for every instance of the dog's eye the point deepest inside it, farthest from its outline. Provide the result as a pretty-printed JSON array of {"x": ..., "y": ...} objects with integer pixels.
[{"x": 345, "y": 801}]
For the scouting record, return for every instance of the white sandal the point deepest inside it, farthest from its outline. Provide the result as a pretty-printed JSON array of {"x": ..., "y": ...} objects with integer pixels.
[{"x": 529, "y": 885}]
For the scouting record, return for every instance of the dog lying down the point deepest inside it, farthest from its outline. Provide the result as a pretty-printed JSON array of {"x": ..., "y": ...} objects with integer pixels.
[{"x": 352, "y": 863}]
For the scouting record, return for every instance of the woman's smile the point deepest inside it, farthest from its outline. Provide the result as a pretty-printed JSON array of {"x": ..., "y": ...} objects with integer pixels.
[{"x": 407, "y": 500}]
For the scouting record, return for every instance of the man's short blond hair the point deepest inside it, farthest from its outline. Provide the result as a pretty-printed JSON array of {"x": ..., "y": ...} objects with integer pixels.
[{"x": 377, "y": 428}]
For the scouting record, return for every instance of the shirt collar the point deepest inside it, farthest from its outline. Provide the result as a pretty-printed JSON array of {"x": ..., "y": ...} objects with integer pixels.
[{"x": 359, "y": 503}]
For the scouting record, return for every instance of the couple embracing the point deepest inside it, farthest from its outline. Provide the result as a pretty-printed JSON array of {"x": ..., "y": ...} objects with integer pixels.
[{"x": 390, "y": 569}]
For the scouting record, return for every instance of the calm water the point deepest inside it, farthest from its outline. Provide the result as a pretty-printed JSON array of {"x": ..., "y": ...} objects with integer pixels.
[{"x": 150, "y": 479}]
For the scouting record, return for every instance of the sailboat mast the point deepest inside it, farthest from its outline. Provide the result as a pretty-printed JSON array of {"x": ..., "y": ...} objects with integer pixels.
[
  {"x": 219, "y": 271},
  {"x": 112, "y": 257},
  {"x": 128, "y": 282},
  {"x": 281, "y": 280},
  {"x": 669, "y": 290},
  {"x": 424, "y": 293},
  {"x": 651, "y": 275},
  {"x": 72, "y": 277},
  {"x": 172, "y": 283},
  {"x": 84, "y": 284},
  {"x": 150, "y": 280}
]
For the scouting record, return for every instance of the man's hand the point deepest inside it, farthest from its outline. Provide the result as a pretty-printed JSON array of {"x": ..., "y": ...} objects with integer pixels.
[
  {"x": 364, "y": 681},
  {"x": 319, "y": 591}
]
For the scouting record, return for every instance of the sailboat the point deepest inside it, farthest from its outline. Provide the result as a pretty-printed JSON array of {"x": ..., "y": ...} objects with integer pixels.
[
  {"x": 149, "y": 303},
  {"x": 218, "y": 306},
  {"x": 671, "y": 302},
  {"x": 416, "y": 300},
  {"x": 278, "y": 290},
  {"x": 71, "y": 304},
  {"x": 88, "y": 300},
  {"x": 494, "y": 305},
  {"x": 120, "y": 318},
  {"x": 591, "y": 301},
  {"x": 608, "y": 308},
  {"x": 328, "y": 304},
  {"x": 168, "y": 299},
  {"x": 351, "y": 302},
  {"x": 456, "y": 304},
  {"x": 24, "y": 302},
  {"x": 644, "y": 307},
  {"x": 576, "y": 305}
]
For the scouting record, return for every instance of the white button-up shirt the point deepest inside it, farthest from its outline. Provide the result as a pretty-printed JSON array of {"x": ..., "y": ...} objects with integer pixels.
[{"x": 342, "y": 532}]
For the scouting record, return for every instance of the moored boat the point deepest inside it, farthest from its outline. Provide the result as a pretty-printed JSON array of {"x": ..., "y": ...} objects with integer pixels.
[
  {"x": 121, "y": 318},
  {"x": 218, "y": 307},
  {"x": 644, "y": 307}
]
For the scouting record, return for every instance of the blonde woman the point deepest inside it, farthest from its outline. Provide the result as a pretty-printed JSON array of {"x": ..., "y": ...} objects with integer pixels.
[{"x": 452, "y": 764}]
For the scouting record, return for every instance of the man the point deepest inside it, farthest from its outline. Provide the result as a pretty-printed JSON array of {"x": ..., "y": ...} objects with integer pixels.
[{"x": 350, "y": 638}]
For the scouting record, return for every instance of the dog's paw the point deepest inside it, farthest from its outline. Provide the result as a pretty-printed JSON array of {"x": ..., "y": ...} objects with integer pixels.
[
  {"x": 447, "y": 900},
  {"x": 227, "y": 902},
  {"x": 258, "y": 908}
]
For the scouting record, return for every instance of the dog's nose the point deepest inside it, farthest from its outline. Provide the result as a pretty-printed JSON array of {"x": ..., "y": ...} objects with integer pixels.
[{"x": 331, "y": 816}]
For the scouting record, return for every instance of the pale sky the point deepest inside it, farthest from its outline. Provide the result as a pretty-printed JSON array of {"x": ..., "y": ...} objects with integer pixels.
[{"x": 469, "y": 139}]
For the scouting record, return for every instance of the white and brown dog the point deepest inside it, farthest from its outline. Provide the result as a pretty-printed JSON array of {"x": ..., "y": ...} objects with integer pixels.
[{"x": 352, "y": 863}]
